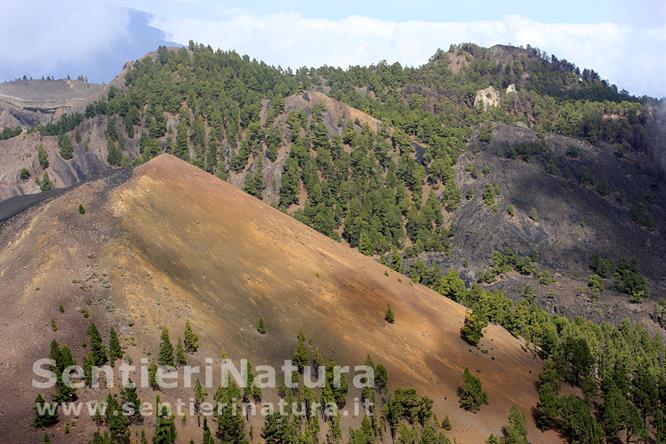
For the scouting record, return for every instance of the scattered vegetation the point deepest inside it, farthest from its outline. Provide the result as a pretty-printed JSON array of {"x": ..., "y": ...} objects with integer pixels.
[
  {"x": 8, "y": 133},
  {"x": 490, "y": 194},
  {"x": 626, "y": 276},
  {"x": 472, "y": 396}
]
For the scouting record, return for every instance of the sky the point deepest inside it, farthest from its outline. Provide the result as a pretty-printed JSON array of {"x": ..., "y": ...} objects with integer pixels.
[{"x": 625, "y": 41}]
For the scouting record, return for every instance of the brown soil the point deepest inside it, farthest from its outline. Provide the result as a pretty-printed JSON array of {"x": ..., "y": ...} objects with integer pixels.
[{"x": 175, "y": 243}]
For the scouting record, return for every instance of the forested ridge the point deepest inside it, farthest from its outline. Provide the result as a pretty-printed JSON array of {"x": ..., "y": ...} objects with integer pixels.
[
  {"x": 389, "y": 189},
  {"x": 385, "y": 186}
]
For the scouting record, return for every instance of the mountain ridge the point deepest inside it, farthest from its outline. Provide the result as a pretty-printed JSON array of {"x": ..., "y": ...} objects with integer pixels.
[
  {"x": 542, "y": 211},
  {"x": 264, "y": 262}
]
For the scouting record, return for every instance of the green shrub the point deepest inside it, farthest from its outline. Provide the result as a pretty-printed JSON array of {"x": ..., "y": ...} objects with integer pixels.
[
  {"x": 573, "y": 151},
  {"x": 545, "y": 278},
  {"x": 490, "y": 193},
  {"x": 602, "y": 266},
  {"x": 628, "y": 280},
  {"x": 595, "y": 284}
]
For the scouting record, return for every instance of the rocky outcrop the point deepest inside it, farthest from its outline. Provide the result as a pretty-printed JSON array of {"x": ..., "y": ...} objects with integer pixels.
[
  {"x": 511, "y": 89},
  {"x": 487, "y": 98}
]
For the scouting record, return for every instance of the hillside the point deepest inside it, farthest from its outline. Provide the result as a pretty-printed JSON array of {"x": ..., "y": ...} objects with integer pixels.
[
  {"x": 519, "y": 185},
  {"x": 32, "y": 102},
  {"x": 171, "y": 243}
]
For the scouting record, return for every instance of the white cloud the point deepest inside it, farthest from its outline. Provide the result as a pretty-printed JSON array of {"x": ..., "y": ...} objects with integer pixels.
[
  {"x": 632, "y": 58},
  {"x": 49, "y": 34}
]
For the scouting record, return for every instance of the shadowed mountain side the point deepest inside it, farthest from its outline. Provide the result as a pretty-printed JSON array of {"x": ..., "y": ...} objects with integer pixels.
[
  {"x": 175, "y": 243},
  {"x": 564, "y": 203}
]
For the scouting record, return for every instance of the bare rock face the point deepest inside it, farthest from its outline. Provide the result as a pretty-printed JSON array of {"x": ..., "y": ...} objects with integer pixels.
[
  {"x": 511, "y": 89},
  {"x": 89, "y": 159},
  {"x": 33, "y": 102},
  {"x": 487, "y": 98}
]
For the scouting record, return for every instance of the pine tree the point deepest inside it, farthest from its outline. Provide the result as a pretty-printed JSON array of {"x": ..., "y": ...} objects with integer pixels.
[
  {"x": 515, "y": 431},
  {"x": 199, "y": 394},
  {"x": 251, "y": 391},
  {"x": 165, "y": 427},
  {"x": 54, "y": 352},
  {"x": 278, "y": 429},
  {"x": 42, "y": 156},
  {"x": 578, "y": 421},
  {"x": 101, "y": 438},
  {"x": 548, "y": 406},
  {"x": 472, "y": 330},
  {"x": 261, "y": 328},
  {"x": 81, "y": 209},
  {"x": 381, "y": 377},
  {"x": 46, "y": 414},
  {"x": 116, "y": 420},
  {"x": 63, "y": 392},
  {"x": 365, "y": 244},
  {"x": 388, "y": 315},
  {"x": 300, "y": 356},
  {"x": 152, "y": 374},
  {"x": 45, "y": 184},
  {"x": 180, "y": 353},
  {"x": 97, "y": 348},
  {"x": 88, "y": 363},
  {"x": 131, "y": 400},
  {"x": 230, "y": 424},
  {"x": 472, "y": 395},
  {"x": 254, "y": 182},
  {"x": 65, "y": 147},
  {"x": 65, "y": 358},
  {"x": 115, "y": 350},
  {"x": 166, "y": 349},
  {"x": 114, "y": 154},
  {"x": 446, "y": 424},
  {"x": 191, "y": 339}
]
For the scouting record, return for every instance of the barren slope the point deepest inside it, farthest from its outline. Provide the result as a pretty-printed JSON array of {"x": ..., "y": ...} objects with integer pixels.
[
  {"x": 31, "y": 102},
  {"x": 174, "y": 243}
]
